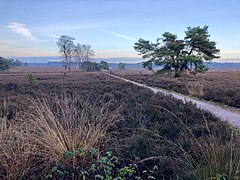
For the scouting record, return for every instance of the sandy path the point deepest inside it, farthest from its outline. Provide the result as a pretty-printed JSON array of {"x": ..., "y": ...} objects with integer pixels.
[{"x": 223, "y": 113}]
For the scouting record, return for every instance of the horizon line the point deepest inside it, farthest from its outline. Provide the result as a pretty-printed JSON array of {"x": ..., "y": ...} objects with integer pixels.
[{"x": 113, "y": 57}]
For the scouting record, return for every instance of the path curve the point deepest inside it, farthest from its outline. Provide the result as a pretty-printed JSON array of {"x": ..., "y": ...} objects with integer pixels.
[{"x": 223, "y": 113}]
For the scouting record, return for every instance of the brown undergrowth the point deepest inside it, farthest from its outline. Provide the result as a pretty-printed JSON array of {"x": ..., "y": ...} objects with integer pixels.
[
  {"x": 218, "y": 86},
  {"x": 154, "y": 132}
]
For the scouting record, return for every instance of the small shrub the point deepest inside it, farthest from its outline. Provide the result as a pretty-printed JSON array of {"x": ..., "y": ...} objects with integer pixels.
[
  {"x": 99, "y": 167},
  {"x": 32, "y": 80}
]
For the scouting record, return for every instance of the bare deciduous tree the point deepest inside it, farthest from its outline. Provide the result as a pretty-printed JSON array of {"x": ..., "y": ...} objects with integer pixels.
[
  {"x": 88, "y": 52},
  {"x": 66, "y": 46},
  {"x": 78, "y": 54},
  {"x": 83, "y": 53}
]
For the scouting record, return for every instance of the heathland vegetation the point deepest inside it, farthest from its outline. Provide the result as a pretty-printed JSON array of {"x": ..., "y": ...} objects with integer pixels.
[
  {"x": 92, "y": 126},
  {"x": 217, "y": 86}
]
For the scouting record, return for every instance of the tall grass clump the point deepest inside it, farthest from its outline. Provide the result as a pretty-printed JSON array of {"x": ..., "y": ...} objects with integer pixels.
[
  {"x": 216, "y": 158},
  {"x": 66, "y": 124},
  {"x": 42, "y": 134},
  {"x": 206, "y": 157},
  {"x": 16, "y": 153}
]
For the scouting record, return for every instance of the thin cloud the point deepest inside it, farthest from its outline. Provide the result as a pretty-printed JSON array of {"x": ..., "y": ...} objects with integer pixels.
[
  {"x": 123, "y": 36},
  {"x": 23, "y": 31},
  {"x": 20, "y": 29},
  {"x": 54, "y": 36}
]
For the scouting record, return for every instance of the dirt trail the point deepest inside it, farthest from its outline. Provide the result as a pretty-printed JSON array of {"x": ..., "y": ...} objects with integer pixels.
[{"x": 224, "y": 114}]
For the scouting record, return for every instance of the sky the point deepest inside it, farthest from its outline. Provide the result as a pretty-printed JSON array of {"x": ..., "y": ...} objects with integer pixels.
[{"x": 111, "y": 27}]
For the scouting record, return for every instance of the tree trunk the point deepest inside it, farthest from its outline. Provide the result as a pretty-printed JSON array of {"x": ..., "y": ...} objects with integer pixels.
[{"x": 177, "y": 72}]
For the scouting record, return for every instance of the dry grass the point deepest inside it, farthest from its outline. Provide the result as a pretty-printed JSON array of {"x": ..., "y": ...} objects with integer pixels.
[
  {"x": 42, "y": 134},
  {"x": 196, "y": 88},
  {"x": 206, "y": 157},
  {"x": 68, "y": 124},
  {"x": 209, "y": 157},
  {"x": 16, "y": 152}
]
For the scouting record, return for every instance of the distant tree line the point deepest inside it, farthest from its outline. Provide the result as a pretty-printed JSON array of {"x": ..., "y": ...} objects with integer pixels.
[
  {"x": 89, "y": 66},
  {"x": 121, "y": 66},
  {"x": 6, "y": 64},
  {"x": 179, "y": 55}
]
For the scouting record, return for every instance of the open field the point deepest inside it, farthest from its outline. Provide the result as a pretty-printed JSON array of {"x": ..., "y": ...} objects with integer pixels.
[
  {"x": 218, "y": 86},
  {"x": 45, "y": 125}
]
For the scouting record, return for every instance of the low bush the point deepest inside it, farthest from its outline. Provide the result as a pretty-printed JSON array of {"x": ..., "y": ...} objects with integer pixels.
[
  {"x": 92, "y": 166},
  {"x": 32, "y": 80}
]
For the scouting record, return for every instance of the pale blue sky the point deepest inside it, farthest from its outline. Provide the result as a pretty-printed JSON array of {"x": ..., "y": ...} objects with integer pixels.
[{"x": 29, "y": 27}]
